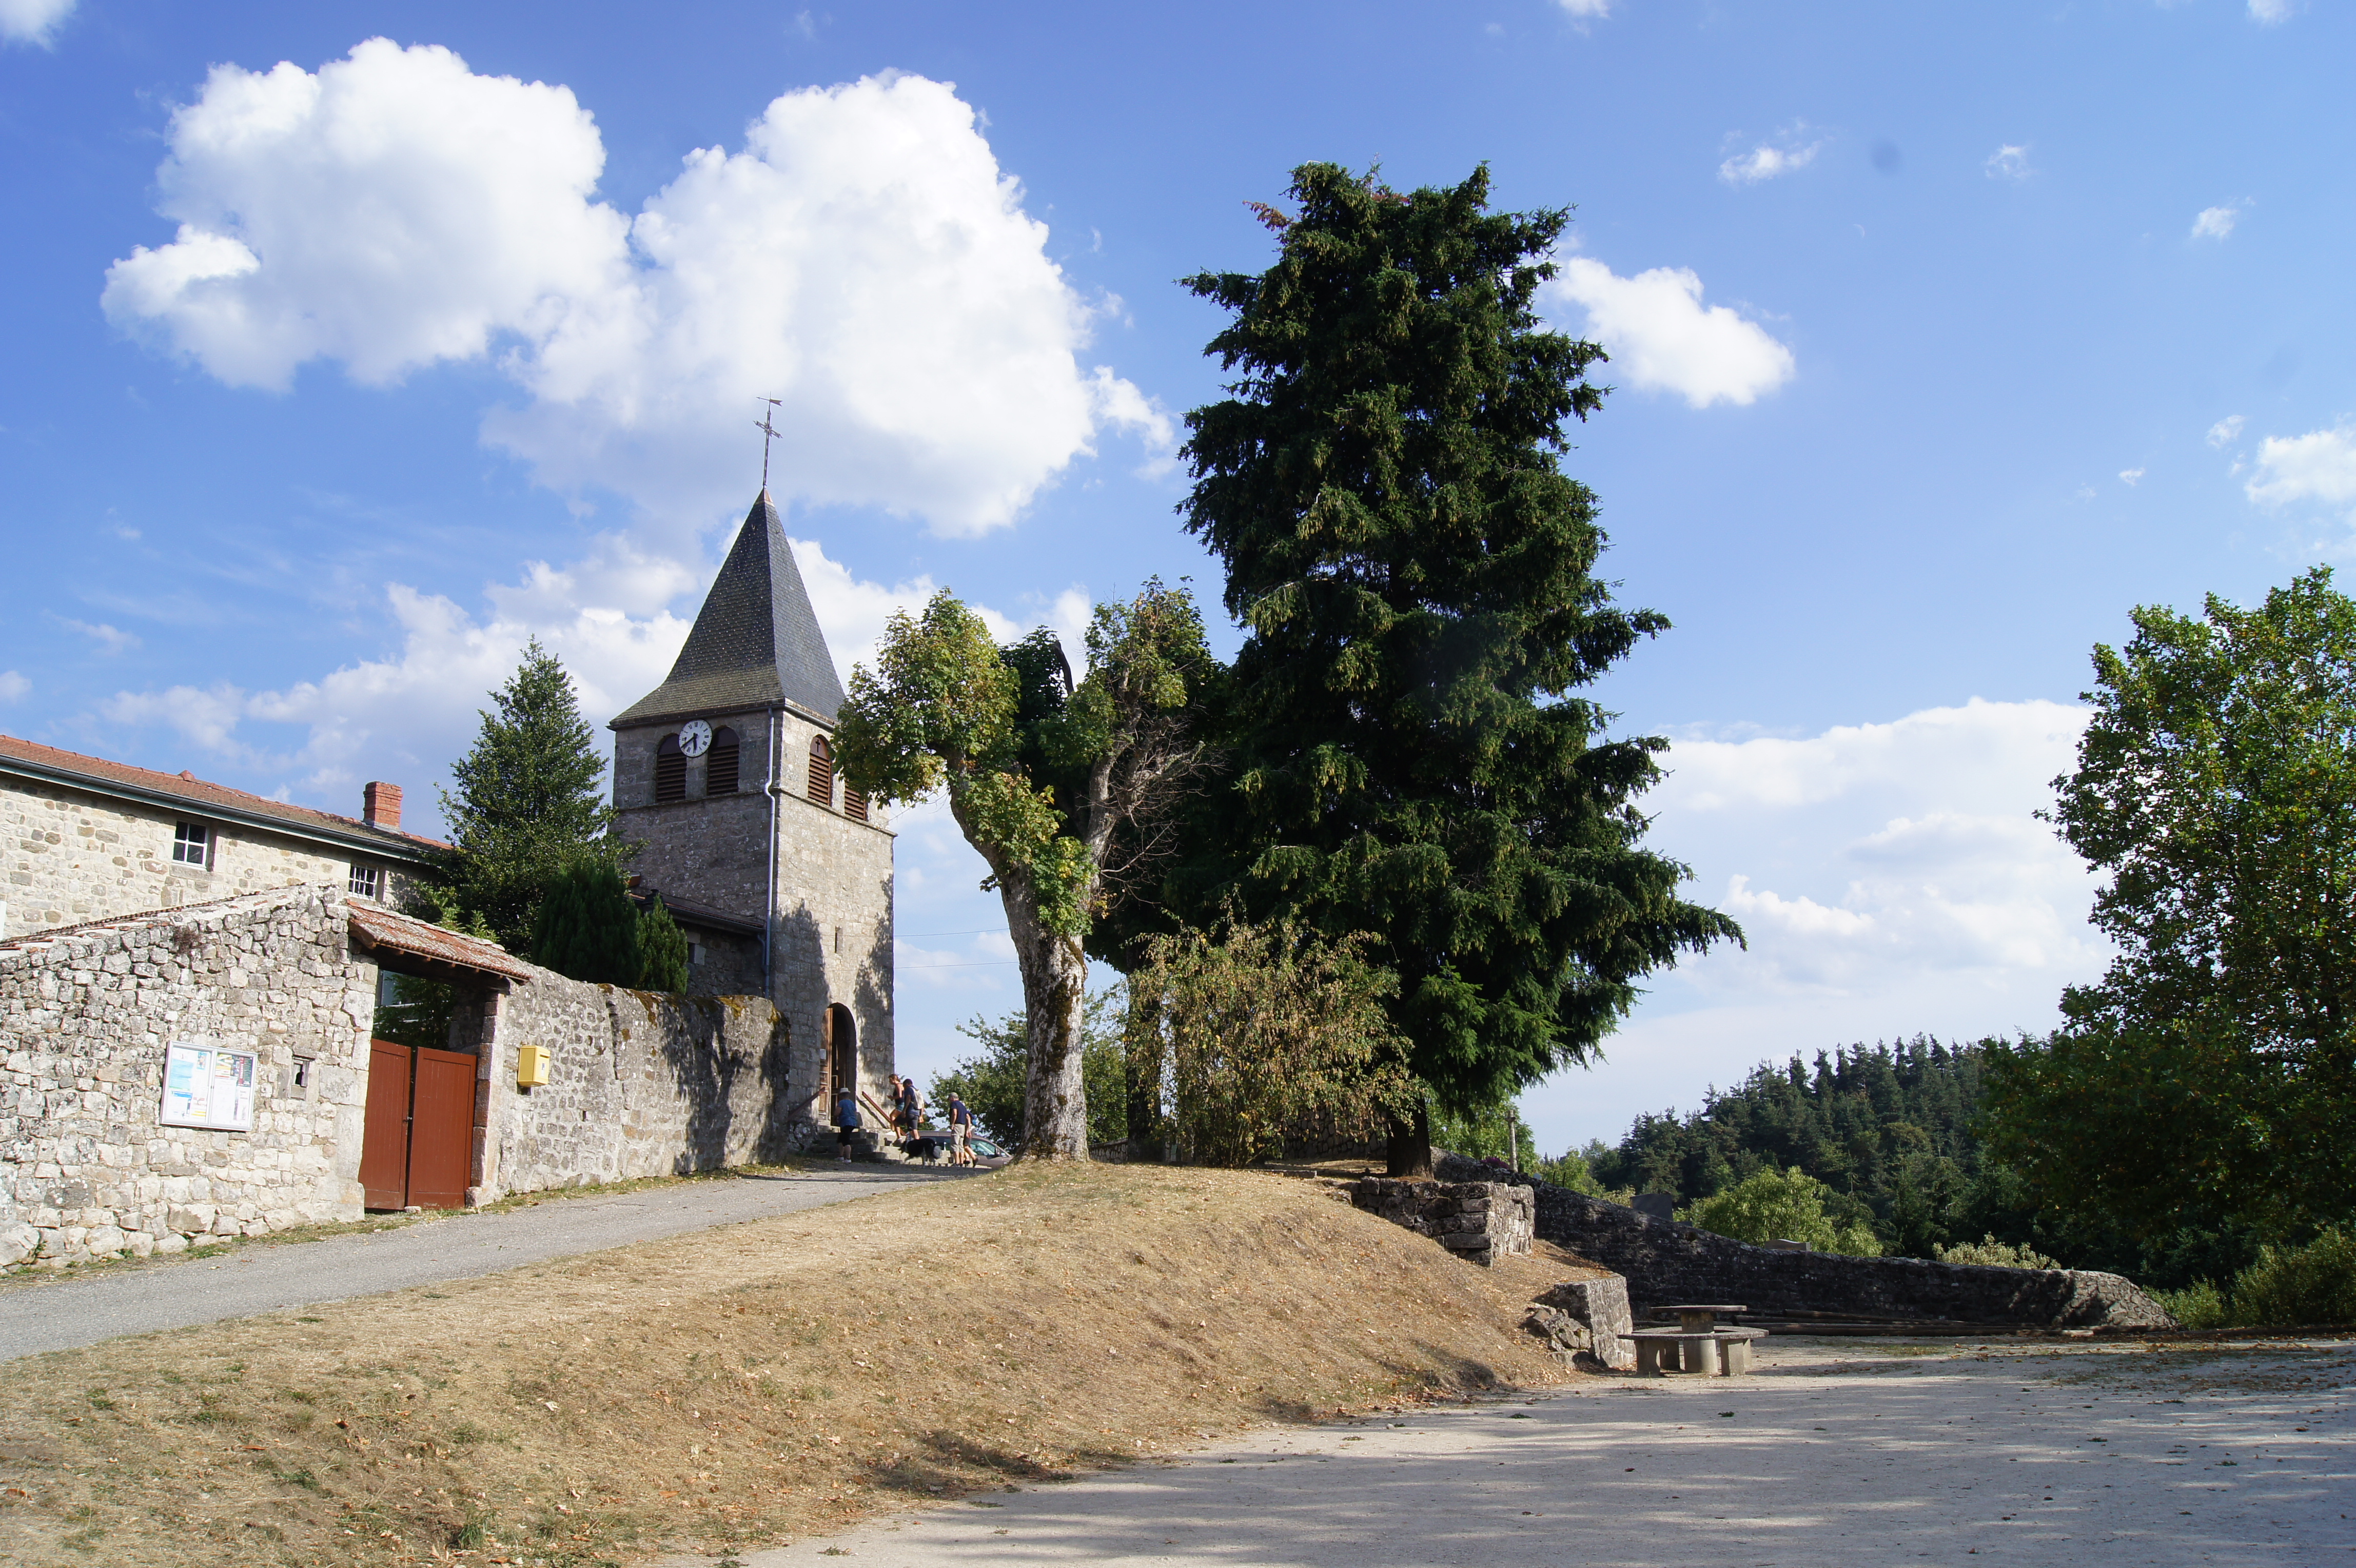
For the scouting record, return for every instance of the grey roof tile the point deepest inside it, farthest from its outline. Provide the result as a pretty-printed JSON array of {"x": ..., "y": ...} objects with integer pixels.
[{"x": 756, "y": 643}]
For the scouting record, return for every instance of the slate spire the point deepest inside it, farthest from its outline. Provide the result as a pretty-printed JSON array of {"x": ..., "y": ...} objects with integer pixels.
[{"x": 756, "y": 643}]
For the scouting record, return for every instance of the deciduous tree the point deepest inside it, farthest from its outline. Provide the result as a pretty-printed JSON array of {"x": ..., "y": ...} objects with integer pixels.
[
  {"x": 1268, "y": 1036},
  {"x": 2212, "y": 1072},
  {"x": 1043, "y": 776}
]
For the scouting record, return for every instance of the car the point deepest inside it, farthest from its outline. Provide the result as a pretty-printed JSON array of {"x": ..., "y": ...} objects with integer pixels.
[{"x": 932, "y": 1146}]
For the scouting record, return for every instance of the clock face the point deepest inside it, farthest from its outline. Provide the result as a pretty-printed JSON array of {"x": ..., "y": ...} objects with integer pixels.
[{"x": 695, "y": 738}]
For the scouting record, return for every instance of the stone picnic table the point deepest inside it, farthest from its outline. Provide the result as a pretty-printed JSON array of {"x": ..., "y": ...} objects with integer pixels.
[{"x": 1697, "y": 1344}]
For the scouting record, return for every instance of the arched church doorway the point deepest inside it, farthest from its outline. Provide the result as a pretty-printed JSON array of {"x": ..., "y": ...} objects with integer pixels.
[{"x": 841, "y": 1052}]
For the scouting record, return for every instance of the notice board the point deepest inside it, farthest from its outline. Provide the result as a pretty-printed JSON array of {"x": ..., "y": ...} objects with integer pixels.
[{"x": 207, "y": 1085}]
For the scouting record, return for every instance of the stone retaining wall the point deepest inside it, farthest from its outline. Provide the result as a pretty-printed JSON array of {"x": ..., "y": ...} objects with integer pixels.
[
  {"x": 1666, "y": 1262},
  {"x": 1480, "y": 1222}
]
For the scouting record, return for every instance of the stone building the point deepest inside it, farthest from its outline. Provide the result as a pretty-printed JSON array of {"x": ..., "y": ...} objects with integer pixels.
[
  {"x": 179, "y": 1075},
  {"x": 725, "y": 774},
  {"x": 87, "y": 838}
]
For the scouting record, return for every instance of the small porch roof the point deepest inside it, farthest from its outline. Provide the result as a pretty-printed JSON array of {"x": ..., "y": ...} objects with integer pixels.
[{"x": 408, "y": 946}]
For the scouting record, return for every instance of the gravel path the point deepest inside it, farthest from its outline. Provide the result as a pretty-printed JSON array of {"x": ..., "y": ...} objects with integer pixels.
[
  {"x": 39, "y": 1314},
  {"x": 1830, "y": 1456}
]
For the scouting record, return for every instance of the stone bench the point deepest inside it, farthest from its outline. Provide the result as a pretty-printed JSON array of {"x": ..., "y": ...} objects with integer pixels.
[{"x": 1714, "y": 1352}]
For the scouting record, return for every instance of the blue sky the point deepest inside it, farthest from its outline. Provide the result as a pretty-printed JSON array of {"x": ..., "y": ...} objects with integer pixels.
[{"x": 1940, "y": 337}]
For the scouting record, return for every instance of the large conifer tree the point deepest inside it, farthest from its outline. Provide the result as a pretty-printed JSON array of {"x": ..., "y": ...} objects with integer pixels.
[
  {"x": 588, "y": 927},
  {"x": 1416, "y": 578},
  {"x": 527, "y": 804}
]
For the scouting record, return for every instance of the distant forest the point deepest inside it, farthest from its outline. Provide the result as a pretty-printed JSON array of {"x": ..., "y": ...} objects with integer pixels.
[{"x": 1891, "y": 1129}]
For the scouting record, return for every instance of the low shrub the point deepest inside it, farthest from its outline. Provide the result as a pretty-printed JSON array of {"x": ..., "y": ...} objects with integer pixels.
[
  {"x": 1989, "y": 1252},
  {"x": 2291, "y": 1287},
  {"x": 2199, "y": 1304}
]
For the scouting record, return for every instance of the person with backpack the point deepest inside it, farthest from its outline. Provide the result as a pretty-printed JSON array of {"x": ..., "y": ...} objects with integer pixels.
[
  {"x": 846, "y": 1122},
  {"x": 912, "y": 1107}
]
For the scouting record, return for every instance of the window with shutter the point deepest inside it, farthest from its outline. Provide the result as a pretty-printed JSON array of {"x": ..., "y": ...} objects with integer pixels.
[
  {"x": 822, "y": 771},
  {"x": 854, "y": 804},
  {"x": 671, "y": 770},
  {"x": 720, "y": 766}
]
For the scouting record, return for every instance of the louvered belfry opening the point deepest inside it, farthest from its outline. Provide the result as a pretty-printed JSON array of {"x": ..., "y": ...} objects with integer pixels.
[
  {"x": 671, "y": 770},
  {"x": 720, "y": 766},
  {"x": 854, "y": 804},
  {"x": 822, "y": 771}
]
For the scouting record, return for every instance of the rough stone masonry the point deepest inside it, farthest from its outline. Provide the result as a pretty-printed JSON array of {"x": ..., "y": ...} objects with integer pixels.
[
  {"x": 639, "y": 1084},
  {"x": 1666, "y": 1262},
  {"x": 1480, "y": 1222}
]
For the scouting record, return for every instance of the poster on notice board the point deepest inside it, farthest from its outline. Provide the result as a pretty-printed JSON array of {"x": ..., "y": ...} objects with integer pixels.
[{"x": 208, "y": 1086}]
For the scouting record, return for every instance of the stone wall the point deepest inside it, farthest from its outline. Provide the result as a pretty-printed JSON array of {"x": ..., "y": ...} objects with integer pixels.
[
  {"x": 85, "y": 1165},
  {"x": 640, "y": 1085},
  {"x": 1667, "y": 1262},
  {"x": 1480, "y": 1222},
  {"x": 74, "y": 857},
  {"x": 1587, "y": 1322}
]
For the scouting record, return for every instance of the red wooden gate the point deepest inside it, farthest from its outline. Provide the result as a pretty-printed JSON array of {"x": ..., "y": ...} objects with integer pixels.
[{"x": 419, "y": 1144}]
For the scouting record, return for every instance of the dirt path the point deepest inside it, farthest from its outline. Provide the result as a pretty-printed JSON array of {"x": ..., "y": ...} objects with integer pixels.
[
  {"x": 1830, "y": 1455},
  {"x": 36, "y": 1316}
]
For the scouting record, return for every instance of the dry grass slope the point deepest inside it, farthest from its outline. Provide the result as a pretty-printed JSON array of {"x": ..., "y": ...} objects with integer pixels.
[{"x": 753, "y": 1383}]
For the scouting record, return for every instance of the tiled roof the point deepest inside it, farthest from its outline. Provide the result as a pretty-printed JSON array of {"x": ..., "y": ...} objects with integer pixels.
[
  {"x": 381, "y": 928},
  {"x": 31, "y": 759},
  {"x": 756, "y": 643}
]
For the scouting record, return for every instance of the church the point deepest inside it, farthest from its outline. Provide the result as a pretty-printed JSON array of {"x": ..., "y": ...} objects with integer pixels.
[
  {"x": 780, "y": 872},
  {"x": 190, "y": 976}
]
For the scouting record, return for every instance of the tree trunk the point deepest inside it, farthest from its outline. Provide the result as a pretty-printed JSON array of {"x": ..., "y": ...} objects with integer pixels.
[
  {"x": 1054, "y": 999},
  {"x": 1410, "y": 1148}
]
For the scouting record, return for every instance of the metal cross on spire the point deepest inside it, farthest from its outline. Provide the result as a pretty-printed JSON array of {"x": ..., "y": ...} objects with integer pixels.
[{"x": 768, "y": 433}]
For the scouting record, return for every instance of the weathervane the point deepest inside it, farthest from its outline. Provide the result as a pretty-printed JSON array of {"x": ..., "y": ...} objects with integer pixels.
[{"x": 768, "y": 433}]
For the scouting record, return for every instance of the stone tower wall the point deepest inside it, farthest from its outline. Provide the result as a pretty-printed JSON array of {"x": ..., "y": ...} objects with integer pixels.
[{"x": 832, "y": 943}]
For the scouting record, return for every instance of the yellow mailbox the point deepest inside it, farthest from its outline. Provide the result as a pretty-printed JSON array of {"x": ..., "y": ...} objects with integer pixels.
[{"x": 532, "y": 1066}]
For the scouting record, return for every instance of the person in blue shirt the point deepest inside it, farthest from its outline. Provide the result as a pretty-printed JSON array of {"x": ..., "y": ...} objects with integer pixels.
[{"x": 846, "y": 1122}]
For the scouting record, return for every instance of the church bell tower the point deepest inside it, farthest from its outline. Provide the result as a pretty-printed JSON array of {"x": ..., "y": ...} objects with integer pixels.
[{"x": 780, "y": 874}]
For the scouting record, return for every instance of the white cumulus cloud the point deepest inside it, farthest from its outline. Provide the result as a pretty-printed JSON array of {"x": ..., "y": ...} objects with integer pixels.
[
  {"x": 2319, "y": 465},
  {"x": 2267, "y": 12},
  {"x": 2227, "y": 430},
  {"x": 1661, "y": 336},
  {"x": 861, "y": 257},
  {"x": 33, "y": 21},
  {"x": 1890, "y": 877},
  {"x": 12, "y": 685},
  {"x": 1587, "y": 10},
  {"x": 2216, "y": 222},
  {"x": 2130, "y": 476}
]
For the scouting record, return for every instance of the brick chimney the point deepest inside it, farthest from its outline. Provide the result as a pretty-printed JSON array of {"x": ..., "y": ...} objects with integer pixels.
[{"x": 380, "y": 806}]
